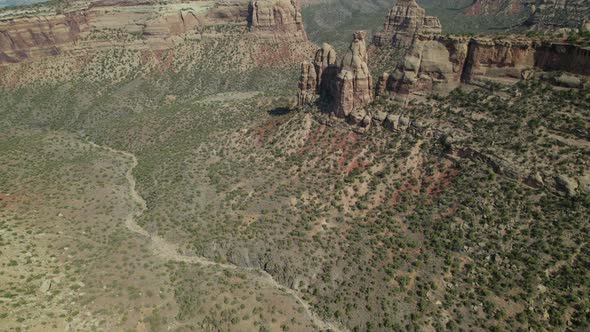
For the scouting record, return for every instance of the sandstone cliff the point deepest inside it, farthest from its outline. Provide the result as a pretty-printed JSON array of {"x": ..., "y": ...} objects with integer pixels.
[
  {"x": 276, "y": 16},
  {"x": 345, "y": 87},
  {"x": 499, "y": 57},
  {"x": 354, "y": 83},
  {"x": 404, "y": 21},
  {"x": 82, "y": 27},
  {"x": 438, "y": 64},
  {"x": 317, "y": 76},
  {"x": 433, "y": 64}
]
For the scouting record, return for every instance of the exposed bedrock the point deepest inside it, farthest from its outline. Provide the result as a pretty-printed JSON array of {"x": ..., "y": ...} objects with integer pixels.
[
  {"x": 345, "y": 87},
  {"x": 139, "y": 25}
]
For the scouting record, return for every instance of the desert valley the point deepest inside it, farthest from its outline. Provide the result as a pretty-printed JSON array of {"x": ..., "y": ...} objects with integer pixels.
[{"x": 284, "y": 165}]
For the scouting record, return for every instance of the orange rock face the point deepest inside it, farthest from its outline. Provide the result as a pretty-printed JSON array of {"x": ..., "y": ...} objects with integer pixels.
[
  {"x": 276, "y": 16},
  {"x": 404, "y": 21},
  {"x": 347, "y": 87},
  {"x": 499, "y": 57},
  {"x": 86, "y": 26},
  {"x": 354, "y": 82}
]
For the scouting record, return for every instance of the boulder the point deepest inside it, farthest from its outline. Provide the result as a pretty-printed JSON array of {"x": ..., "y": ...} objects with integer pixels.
[
  {"x": 567, "y": 185},
  {"x": 584, "y": 182},
  {"x": 379, "y": 117},
  {"x": 392, "y": 122}
]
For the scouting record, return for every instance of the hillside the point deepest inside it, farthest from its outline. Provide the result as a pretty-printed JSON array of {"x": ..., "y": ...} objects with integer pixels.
[{"x": 218, "y": 166}]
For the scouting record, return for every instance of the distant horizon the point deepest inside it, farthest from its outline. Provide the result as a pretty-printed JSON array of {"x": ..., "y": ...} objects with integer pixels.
[{"x": 14, "y": 3}]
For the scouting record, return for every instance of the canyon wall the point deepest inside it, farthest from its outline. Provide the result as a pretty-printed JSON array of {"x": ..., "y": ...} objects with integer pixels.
[
  {"x": 432, "y": 63},
  {"x": 404, "y": 22},
  {"x": 435, "y": 64},
  {"x": 566, "y": 57},
  {"x": 83, "y": 27}
]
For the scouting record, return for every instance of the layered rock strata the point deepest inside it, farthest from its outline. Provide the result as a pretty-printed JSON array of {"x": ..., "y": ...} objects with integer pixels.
[
  {"x": 345, "y": 87},
  {"x": 354, "y": 83},
  {"x": 318, "y": 76},
  {"x": 439, "y": 64},
  {"x": 276, "y": 16},
  {"x": 404, "y": 22},
  {"x": 82, "y": 27}
]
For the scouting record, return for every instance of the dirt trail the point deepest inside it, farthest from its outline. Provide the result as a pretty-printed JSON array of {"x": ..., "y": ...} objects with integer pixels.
[{"x": 169, "y": 251}]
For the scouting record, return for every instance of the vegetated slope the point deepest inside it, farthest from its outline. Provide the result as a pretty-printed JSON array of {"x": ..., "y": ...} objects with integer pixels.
[
  {"x": 382, "y": 231},
  {"x": 69, "y": 262}
]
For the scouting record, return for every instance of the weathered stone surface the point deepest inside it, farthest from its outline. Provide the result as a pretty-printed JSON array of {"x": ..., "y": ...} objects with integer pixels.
[
  {"x": 404, "y": 21},
  {"x": 318, "y": 76},
  {"x": 584, "y": 182},
  {"x": 381, "y": 87},
  {"x": 392, "y": 122},
  {"x": 499, "y": 57},
  {"x": 354, "y": 82},
  {"x": 434, "y": 64},
  {"x": 136, "y": 25},
  {"x": 325, "y": 65},
  {"x": 307, "y": 84},
  {"x": 45, "y": 286},
  {"x": 347, "y": 86},
  {"x": 276, "y": 16},
  {"x": 566, "y": 57},
  {"x": 567, "y": 185}
]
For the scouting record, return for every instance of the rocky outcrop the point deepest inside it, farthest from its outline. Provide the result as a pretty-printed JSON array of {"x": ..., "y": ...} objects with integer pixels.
[
  {"x": 39, "y": 36},
  {"x": 560, "y": 56},
  {"x": 276, "y": 16},
  {"x": 434, "y": 64},
  {"x": 404, "y": 22},
  {"x": 318, "y": 76},
  {"x": 354, "y": 83},
  {"x": 308, "y": 84},
  {"x": 83, "y": 27},
  {"x": 437, "y": 64},
  {"x": 499, "y": 57},
  {"x": 345, "y": 88}
]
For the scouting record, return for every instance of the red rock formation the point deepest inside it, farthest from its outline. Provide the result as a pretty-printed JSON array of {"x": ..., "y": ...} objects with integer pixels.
[
  {"x": 308, "y": 81},
  {"x": 499, "y": 57},
  {"x": 404, "y": 21},
  {"x": 318, "y": 76},
  {"x": 566, "y": 57},
  {"x": 434, "y": 64},
  {"x": 137, "y": 25},
  {"x": 347, "y": 87},
  {"x": 276, "y": 16},
  {"x": 39, "y": 36},
  {"x": 354, "y": 82}
]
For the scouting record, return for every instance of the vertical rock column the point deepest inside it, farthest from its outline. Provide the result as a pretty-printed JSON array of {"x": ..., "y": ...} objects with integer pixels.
[
  {"x": 354, "y": 82},
  {"x": 307, "y": 84},
  {"x": 317, "y": 76}
]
